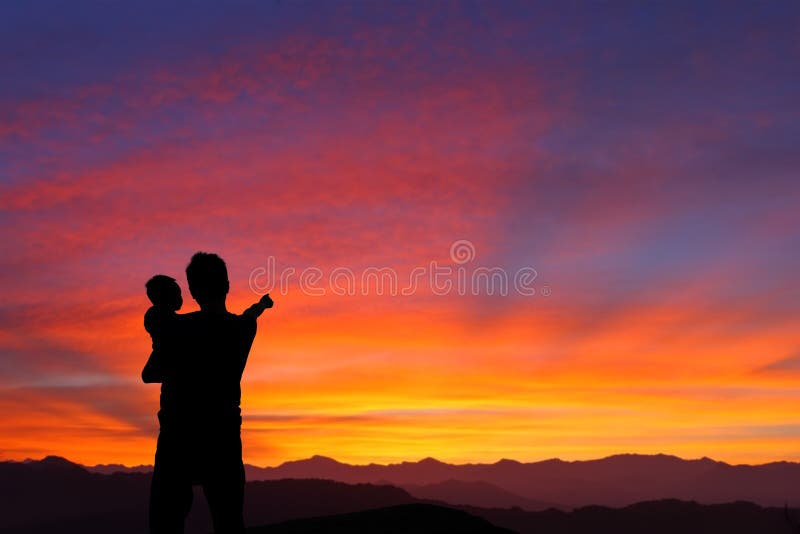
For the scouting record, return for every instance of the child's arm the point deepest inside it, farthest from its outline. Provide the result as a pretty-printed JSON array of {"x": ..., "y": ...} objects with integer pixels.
[
  {"x": 258, "y": 308},
  {"x": 154, "y": 323},
  {"x": 151, "y": 374}
]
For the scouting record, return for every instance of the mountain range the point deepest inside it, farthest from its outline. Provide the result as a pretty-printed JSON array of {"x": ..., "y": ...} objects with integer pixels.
[
  {"x": 55, "y": 495},
  {"x": 617, "y": 481}
]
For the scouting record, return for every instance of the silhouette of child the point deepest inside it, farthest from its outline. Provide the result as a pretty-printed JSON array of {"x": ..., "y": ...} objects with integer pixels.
[{"x": 165, "y": 294}]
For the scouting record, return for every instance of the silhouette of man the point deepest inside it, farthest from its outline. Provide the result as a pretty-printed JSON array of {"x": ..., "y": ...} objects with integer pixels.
[{"x": 199, "y": 441}]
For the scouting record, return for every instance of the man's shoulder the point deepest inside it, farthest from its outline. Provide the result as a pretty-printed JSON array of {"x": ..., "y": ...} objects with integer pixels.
[
  {"x": 244, "y": 325},
  {"x": 183, "y": 322},
  {"x": 245, "y": 321},
  {"x": 218, "y": 318},
  {"x": 232, "y": 323}
]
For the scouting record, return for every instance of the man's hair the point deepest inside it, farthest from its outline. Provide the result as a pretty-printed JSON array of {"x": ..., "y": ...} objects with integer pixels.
[
  {"x": 207, "y": 275},
  {"x": 159, "y": 287}
]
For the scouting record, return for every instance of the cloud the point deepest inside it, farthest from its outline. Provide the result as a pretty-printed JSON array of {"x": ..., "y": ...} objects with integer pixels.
[{"x": 789, "y": 364}]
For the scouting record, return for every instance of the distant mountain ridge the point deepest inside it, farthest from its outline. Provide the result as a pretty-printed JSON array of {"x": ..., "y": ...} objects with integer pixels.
[
  {"x": 617, "y": 480},
  {"x": 108, "y": 469},
  {"x": 55, "y": 495}
]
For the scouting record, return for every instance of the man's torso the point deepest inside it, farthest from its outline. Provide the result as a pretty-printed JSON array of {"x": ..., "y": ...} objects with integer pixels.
[{"x": 203, "y": 368}]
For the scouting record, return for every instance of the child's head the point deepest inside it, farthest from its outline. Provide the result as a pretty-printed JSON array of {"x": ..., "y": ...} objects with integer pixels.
[{"x": 165, "y": 292}]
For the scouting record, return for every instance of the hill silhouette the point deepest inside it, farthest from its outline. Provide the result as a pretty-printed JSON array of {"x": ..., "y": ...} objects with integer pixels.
[
  {"x": 614, "y": 481},
  {"x": 415, "y": 518},
  {"x": 654, "y": 517},
  {"x": 55, "y": 495},
  {"x": 478, "y": 493},
  {"x": 272, "y": 501}
]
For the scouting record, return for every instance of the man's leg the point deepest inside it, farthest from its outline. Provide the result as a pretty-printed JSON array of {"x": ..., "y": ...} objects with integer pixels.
[
  {"x": 170, "y": 489},
  {"x": 223, "y": 486}
]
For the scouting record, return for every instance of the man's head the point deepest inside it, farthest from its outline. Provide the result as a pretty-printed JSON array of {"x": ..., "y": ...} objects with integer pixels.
[
  {"x": 164, "y": 292},
  {"x": 208, "y": 279}
]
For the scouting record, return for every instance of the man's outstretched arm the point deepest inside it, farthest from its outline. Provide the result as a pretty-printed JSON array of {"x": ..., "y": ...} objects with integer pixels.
[{"x": 258, "y": 308}]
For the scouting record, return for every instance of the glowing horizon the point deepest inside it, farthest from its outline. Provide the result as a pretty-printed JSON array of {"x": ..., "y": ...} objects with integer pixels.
[{"x": 643, "y": 162}]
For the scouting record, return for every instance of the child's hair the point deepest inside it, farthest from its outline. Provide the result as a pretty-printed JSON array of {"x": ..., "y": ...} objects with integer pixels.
[{"x": 160, "y": 288}]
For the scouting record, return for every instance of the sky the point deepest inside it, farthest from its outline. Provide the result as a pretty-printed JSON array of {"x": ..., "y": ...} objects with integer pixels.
[{"x": 630, "y": 169}]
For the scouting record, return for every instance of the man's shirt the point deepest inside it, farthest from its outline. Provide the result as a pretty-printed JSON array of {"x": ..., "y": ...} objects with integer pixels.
[{"x": 202, "y": 364}]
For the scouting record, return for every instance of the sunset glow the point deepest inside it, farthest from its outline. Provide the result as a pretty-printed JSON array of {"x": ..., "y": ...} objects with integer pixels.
[{"x": 643, "y": 161}]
